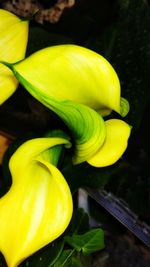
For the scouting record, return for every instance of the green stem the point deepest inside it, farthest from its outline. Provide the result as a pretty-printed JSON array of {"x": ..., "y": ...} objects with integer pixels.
[
  {"x": 58, "y": 255},
  {"x": 70, "y": 254}
]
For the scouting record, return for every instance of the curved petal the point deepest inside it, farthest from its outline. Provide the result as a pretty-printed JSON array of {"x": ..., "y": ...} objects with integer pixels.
[
  {"x": 13, "y": 42},
  {"x": 38, "y": 207},
  {"x": 117, "y": 134},
  {"x": 86, "y": 125},
  {"x": 71, "y": 72}
]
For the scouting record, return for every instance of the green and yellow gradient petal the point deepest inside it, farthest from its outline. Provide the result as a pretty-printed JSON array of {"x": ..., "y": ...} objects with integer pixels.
[
  {"x": 38, "y": 207},
  {"x": 71, "y": 72},
  {"x": 78, "y": 85},
  {"x": 13, "y": 43},
  {"x": 86, "y": 125}
]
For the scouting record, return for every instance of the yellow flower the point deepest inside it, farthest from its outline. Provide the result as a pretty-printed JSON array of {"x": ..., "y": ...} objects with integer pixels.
[
  {"x": 38, "y": 207},
  {"x": 80, "y": 86},
  {"x": 71, "y": 72},
  {"x": 13, "y": 42},
  {"x": 117, "y": 134}
]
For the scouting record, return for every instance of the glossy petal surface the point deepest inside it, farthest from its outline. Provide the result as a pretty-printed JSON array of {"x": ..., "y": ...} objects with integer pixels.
[
  {"x": 77, "y": 84},
  {"x": 117, "y": 134},
  {"x": 71, "y": 72},
  {"x": 13, "y": 42},
  {"x": 38, "y": 207},
  {"x": 86, "y": 125}
]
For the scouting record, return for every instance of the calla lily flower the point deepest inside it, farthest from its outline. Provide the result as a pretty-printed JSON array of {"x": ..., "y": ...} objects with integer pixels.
[
  {"x": 117, "y": 134},
  {"x": 38, "y": 207},
  {"x": 78, "y": 85},
  {"x": 71, "y": 72},
  {"x": 13, "y": 42}
]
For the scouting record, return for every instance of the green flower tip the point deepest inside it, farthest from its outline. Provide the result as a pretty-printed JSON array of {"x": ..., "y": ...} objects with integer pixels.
[{"x": 124, "y": 107}]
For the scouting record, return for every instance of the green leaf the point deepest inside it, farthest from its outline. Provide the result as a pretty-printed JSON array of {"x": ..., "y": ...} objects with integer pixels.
[{"x": 87, "y": 243}]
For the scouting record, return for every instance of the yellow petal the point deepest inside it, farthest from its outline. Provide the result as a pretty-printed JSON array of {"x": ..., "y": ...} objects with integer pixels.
[
  {"x": 117, "y": 134},
  {"x": 13, "y": 42},
  {"x": 38, "y": 207},
  {"x": 71, "y": 72}
]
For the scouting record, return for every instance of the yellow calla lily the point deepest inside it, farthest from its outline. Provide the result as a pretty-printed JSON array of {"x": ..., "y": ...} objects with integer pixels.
[
  {"x": 117, "y": 134},
  {"x": 77, "y": 84},
  {"x": 38, "y": 207},
  {"x": 71, "y": 72},
  {"x": 13, "y": 42}
]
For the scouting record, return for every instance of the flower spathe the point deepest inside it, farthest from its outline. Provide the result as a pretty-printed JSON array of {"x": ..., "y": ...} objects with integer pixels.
[
  {"x": 38, "y": 207},
  {"x": 79, "y": 85},
  {"x": 72, "y": 72},
  {"x": 116, "y": 141},
  {"x": 13, "y": 43}
]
